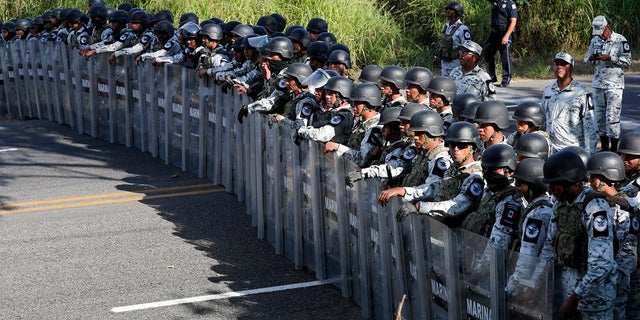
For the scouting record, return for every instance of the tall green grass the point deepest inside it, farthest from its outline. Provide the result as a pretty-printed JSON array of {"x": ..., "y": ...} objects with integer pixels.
[{"x": 404, "y": 32}]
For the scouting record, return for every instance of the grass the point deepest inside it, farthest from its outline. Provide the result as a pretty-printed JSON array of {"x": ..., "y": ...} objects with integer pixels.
[{"x": 404, "y": 32}]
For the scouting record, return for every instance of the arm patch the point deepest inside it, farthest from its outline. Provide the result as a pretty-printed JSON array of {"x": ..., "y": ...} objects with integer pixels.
[
  {"x": 510, "y": 215},
  {"x": 440, "y": 167},
  {"x": 532, "y": 231},
  {"x": 336, "y": 120},
  {"x": 600, "y": 224},
  {"x": 625, "y": 47},
  {"x": 409, "y": 154},
  {"x": 634, "y": 228},
  {"x": 474, "y": 191}
]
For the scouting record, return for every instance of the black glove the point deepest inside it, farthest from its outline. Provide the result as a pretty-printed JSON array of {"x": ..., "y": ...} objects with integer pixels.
[
  {"x": 352, "y": 177},
  {"x": 244, "y": 111},
  {"x": 405, "y": 211},
  {"x": 297, "y": 138}
]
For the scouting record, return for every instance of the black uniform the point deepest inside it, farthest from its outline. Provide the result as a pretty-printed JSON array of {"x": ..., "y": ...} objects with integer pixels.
[{"x": 502, "y": 11}]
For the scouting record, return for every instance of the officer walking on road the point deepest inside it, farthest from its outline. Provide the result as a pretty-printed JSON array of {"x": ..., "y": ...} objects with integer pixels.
[
  {"x": 609, "y": 52},
  {"x": 504, "y": 16}
]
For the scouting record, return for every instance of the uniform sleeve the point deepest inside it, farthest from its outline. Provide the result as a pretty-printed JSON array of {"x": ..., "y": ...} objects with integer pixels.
[
  {"x": 623, "y": 57},
  {"x": 598, "y": 223},
  {"x": 428, "y": 190},
  {"x": 470, "y": 193},
  {"x": 322, "y": 134},
  {"x": 590, "y": 130}
]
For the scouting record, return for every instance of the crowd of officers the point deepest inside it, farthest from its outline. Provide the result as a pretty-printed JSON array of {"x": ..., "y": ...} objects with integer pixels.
[{"x": 437, "y": 142}]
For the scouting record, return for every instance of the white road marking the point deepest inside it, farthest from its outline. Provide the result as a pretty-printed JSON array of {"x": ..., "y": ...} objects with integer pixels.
[
  {"x": 225, "y": 295},
  {"x": 7, "y": 150}
]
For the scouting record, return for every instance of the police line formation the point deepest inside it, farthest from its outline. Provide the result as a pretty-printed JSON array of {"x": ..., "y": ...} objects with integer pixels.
[{"x": 438, "y": 143}]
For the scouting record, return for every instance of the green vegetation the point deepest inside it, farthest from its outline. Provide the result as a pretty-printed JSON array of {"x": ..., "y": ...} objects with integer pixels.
[{"x": 404, "y": 32}]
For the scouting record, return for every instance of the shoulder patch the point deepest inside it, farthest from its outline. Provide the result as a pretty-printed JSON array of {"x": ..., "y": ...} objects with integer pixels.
[
  {"x": 467, "y": 35},
  {"x": 168, "y": 45},
  {"x": 83, "y": 40},
  {"x": 336, "y": 120},
  {"x": 475, "y": 189},
  {"x": 510, "y": 215},
  {"x": 145, "y": 39},
  {"x": 600, "y": 224},
  {"x": 440, "y": 167},
  {"x": 532, "y": 230},
  {"x": 282, "y": 83},
  {"x": 409, "y": 154},
  {"x": 634, "y": 228},
  {"x": 589, "y": 102},
  {"x": 625, "y": 47},
  {"x": 123, "y": 37},
  {"x": 306, "y": 111}
]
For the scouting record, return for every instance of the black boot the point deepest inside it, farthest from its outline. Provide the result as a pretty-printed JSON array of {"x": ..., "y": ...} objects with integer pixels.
[
  {"x": 614, "y": 145},
  {"x": 604, "y": 143}
]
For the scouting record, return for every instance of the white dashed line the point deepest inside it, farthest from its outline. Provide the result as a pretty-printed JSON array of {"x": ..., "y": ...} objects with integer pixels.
[{"x": 219, "y": 296}]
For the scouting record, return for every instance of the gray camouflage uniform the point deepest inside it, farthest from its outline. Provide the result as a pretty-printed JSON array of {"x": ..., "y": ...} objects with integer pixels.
[
  {"x": 362, "y": 156},
  {"x": 569, "y": 115},
  {"x": 608, "y": 81},
  {"x": 461, "y": 34},
  {"x": 436, "y": 170},
  {"x": 476, "y": 81},
  {"x": 597, "y": 284}
]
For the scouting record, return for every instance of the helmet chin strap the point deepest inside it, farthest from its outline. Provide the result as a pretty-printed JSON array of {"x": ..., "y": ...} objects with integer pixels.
[{"x": 465, "y": 158}]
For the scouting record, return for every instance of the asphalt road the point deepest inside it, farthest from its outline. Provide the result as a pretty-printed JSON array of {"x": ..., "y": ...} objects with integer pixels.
[{"x": 89, "y": 228}]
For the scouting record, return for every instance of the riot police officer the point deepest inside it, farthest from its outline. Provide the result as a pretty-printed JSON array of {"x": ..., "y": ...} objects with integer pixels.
[
  {"x": 492, "y": 118},
  {"x": 391, "y": 82},
  {"x": 529, "y": 118},
  {"x": 442, "y": 90}
]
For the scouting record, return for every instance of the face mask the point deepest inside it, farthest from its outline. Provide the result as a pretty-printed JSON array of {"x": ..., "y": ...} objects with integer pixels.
[
  {"x": 496, "y": 181},
  {"x": 277, "y": 65}
]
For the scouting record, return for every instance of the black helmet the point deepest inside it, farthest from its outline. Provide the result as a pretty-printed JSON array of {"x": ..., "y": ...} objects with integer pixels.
[
  {"x": 367, "y": 92},
  {"x": 299, "y": 71},
  {"x": 531, "y": 171},
  {"x": 395, "y": 75},
  {"x": 99, "y": 11},
  {"x": 419, "y": 76},
  {"x": 25, "y": 25},
  {"x": 161, "y": 15},
  {"x": 290, "y": 28},
  {"x": 281, "y": 20},
  {"x": 327, "y": 37},
  {"x": 427, "y": 121},
  {"x": 212, "y": 30},
  {"x": 189, "y": 30},
  {"x": 126, "y": 6},
  {"x": 564, "y": 166},
  {"x": 10, "y": 27},
  {"x": 301, "y": 36},
  {"x": 410, "y": 109},
  {"x": 607, "y": 164},
  {"x": 46, "y": 17},
  {"x": 111, "y": 10},
  {"x": 464, "y": 132},
  {"x": 340, "y": 85},
  {"x": 282, "y": 46},
  {"x": 188, "y": 17},
  {"x": 456, "y": 7},
  {"x": 340, "y": 56},
  {"x": 530, "y": 112},
  {"x": 493, "y": 112},
  {"x": 229, "y": 26},
  {"x": 120, "y": 16},
  {"x": 532, "y": 145},
  {"x": 37, "y": 21},
  {"x": 242, "y": 30},
  {"x": 629, "y": 143},
  {"x": 317, "y": 25},
  {"x": 259, "y": 30},
  {"x": 461, "y": 101},
  {"x": 339, "y": 46},
  {"x": 140, "y": 17},
  {"x": 318, "y": 50},
  {"x": 92, "y": 3},
  {"x": 73, "y": 15},
  {"x": 390, "y": 115},
  {"x": 499, "y": 156},
  {"x": 582, "y": 153},
  {"x": 237, "y": 45},
  {"x": 164, "y": 27},
  {"x": 269, "y": 23},
  {"x": 55, "y": 13},
  {"x": 443, "y": 86},
  {"x": 370, "y": 74},
  {"x": 469, "y": 112}
]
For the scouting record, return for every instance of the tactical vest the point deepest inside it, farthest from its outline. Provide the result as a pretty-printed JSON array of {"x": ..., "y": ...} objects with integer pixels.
[
  {"x": 451, "y": 183},
  {"x": 420, "y": 168},
  {"x": 290, "y": 106},
  {"x": 96, "y": 33},
  {"x": 357, "y": 134},
  {"x": 570, "y": 240},
  {"x": 482, "y": 220},
  {"x": 445, "y": 50},
  {"x": 517, "y": 238}
]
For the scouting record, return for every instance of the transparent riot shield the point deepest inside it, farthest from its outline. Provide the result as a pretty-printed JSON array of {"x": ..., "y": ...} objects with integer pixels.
[
  {"x": 41, "y": 87},
  {"x": 379, "y": 253},
  {"x": 203, "y": 97},
  {"x": 191, "y": 118},
  {"x": 415, "y": 265},
  {"x": 398, "y": 235},
  {"x": 11, "y": 84},
  {"x": 358, "y": 209},
  {"x": 179, "y": 110},
  {"x": 54, "y": 62},
  {"x": 122, "y": 120},
  {"x": 257, "y": 132},
  {"x": 529, "y": 287},
  {"x": 441, "y": 260},
  {"x": 483, "y": 276},
  {"x": 166, "y": 91},
  {"x": 154, "y": 86},
  {"x": 19, "y": 61},
  {"x": 104, "y": 97},
  {"x": 66, "y": 88},
  {"x": 33, "y": 81},
  {"x": 228, "y": 120},
  {"x": 289, "y": 163},
  {"x": 137, "y": 95},
  {"x": 272, "y": 182},
  {"x": 312, "y": 202},
  {"x": 5, "y": 110},
  {"x": 80, "y": 92}
]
